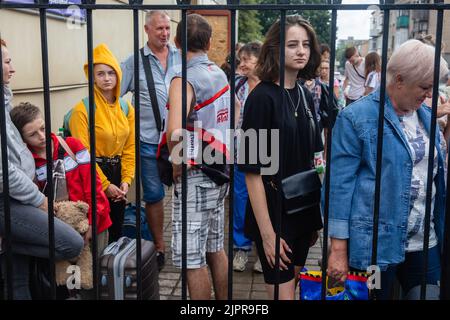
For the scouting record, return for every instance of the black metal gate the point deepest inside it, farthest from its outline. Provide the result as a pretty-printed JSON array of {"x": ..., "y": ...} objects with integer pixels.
[{"x": 232, "y": 5}]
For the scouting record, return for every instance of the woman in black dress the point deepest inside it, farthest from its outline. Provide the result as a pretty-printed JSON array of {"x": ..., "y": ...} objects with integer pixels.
[{"x": 295, "y": 146}]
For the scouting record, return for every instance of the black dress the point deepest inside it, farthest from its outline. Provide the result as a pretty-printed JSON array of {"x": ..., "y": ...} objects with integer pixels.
[{"x": 264, "y": 110}]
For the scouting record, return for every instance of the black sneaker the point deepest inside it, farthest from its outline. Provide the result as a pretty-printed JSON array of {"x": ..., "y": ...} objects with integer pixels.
[{"x": 160, "y": 258}]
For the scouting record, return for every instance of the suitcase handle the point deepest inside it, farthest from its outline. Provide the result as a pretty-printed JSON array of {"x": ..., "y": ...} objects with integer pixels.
[{"x": 114, "y": 247}]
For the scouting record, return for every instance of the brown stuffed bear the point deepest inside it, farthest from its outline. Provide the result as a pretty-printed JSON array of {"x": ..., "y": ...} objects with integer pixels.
[{"x": 75, "y": 215}]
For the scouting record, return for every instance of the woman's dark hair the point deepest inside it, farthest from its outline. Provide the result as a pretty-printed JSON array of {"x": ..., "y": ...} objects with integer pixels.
[
  {"x": 198, "y": 33},
  {"x": 2, "y": 43},
  {"x": 324, "y": 48},
  {"x": 268, "y": 66},
  {"x": 238, "y": 46},
  {"x": 23, "y": 114},
  {"x": 226, "y": 66},
  {"x": 251, "y": 49},
  {"x": 372, "y": 63}
]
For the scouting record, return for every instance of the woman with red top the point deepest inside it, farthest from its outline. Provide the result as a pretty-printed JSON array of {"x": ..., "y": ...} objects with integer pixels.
[{"x": 28, "y": 120}]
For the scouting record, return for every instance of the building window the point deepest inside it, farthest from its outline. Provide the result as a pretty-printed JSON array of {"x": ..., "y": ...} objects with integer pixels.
[{"x": 423, "y": 27}]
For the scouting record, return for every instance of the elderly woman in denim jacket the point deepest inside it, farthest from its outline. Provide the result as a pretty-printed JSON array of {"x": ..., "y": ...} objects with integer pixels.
[{"x": 406, "y": 140}]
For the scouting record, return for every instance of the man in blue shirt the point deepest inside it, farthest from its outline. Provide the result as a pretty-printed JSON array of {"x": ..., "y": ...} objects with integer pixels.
[{"x": 165, "y": 61}]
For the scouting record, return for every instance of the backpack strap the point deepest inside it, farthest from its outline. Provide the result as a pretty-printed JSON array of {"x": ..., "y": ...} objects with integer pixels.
[
  {"x": 122, "y": 102},
  {"x": 64, "y": 148},
  {"x": 240, "y": 83},
  {"x": 86, "y": 105},
  {"x": 61, "y": 152},
  {"x": 124, "y": 106}
]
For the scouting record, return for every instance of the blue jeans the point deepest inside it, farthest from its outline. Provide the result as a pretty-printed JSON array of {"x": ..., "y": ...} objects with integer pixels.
[
  {"x": 240, "y": 201},
  {"x": 151, "y": 182},
  {"x": 409, "y": 273},
  {"x": 29, "y": 235}
]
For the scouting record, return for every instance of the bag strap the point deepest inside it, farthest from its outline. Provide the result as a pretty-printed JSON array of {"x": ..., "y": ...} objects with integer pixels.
[
  {"x": 151, "y": 89},
  {"x": 66, "y": 148},
  {"x": 309, "y": 114},
  {"x": 86, "y": 105},
  {"x": 356, "y": 70},
  {"x": 124, "y": 106},
  {"x": 240, "y": 83}
]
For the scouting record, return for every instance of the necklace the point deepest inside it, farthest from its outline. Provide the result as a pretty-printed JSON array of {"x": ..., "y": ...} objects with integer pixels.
[{"x": 292, "y": 102}]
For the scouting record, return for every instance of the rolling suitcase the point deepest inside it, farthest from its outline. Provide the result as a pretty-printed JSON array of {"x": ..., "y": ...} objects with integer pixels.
[{"x": 118, "y": 271}]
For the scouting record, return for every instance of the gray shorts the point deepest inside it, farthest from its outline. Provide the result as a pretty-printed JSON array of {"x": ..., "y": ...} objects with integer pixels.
[{"x": 205, "y": 219}]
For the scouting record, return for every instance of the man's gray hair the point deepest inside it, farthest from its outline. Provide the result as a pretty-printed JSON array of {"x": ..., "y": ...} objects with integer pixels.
[
  {"x": 151, "y": 13},
  {"x": 414, "y": 61}
]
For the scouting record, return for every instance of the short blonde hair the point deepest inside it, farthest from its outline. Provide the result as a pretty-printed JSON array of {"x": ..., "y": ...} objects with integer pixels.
[{"x": 414, "y": 61}]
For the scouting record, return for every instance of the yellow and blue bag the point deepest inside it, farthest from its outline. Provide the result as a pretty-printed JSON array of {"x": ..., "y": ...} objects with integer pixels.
[{"x": 355, "y": 287}]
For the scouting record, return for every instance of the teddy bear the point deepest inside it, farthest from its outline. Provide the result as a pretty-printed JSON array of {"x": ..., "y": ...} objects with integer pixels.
[{"x": 75, "y": 214}]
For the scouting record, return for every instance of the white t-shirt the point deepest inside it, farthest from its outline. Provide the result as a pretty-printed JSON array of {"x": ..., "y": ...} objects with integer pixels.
[
  {"x": 373, "y": 80},
  {"x": 419, "y": 144},
  {"x": 356, "y": 79}
]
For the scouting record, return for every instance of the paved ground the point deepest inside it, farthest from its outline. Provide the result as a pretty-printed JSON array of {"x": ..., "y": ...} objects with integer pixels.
[{"x": 246, "y": 285}]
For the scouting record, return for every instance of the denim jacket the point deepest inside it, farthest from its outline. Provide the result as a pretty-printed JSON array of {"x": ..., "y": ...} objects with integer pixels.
[{"x": 352, "y": 182}]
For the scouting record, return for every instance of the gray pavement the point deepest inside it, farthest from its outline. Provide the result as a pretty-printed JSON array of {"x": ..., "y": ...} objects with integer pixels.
[{"x": 247, "y": 285}]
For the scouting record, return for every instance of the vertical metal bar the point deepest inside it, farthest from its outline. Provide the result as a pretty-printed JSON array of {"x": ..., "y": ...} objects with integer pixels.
[
  {"x": 184, "y": 185},
  {"x": 376, "y": 213},
  {"x": 445, "y": 263},
  {"x": 232, "y": 107},
  {"x": 328, "y": 167},
  {"x": 91, "y": 118},
  {"x": 445, "y": 249},
  {"x": 437, "y": 66},
  {"x": 48, "y": 145},
  {"x": 137, "y": 104},
  {"x": 278, "y": 216},
  {"x": 5, "y": 178}
]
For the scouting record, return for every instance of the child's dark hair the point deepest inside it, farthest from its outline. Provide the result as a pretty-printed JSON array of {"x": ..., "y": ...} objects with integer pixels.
[
  {"x": 372, "y": 63},
  {"x": 23, "y": 114}
]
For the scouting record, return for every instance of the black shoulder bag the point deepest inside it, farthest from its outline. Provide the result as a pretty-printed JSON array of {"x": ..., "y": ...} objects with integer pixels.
[
  {"x": 164, "y": 165},
  {"x": 302, "y": 190}
]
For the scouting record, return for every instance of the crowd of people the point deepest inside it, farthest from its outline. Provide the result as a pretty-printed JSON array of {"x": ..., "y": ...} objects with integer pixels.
[{"x": 297, "y": 110}]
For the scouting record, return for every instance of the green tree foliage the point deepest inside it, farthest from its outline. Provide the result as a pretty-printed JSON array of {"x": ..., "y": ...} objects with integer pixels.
[
  {"x": 249, "y": 28},
  {"x": 340, "y": 56},
  {"x": 320, "y": 20}
]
